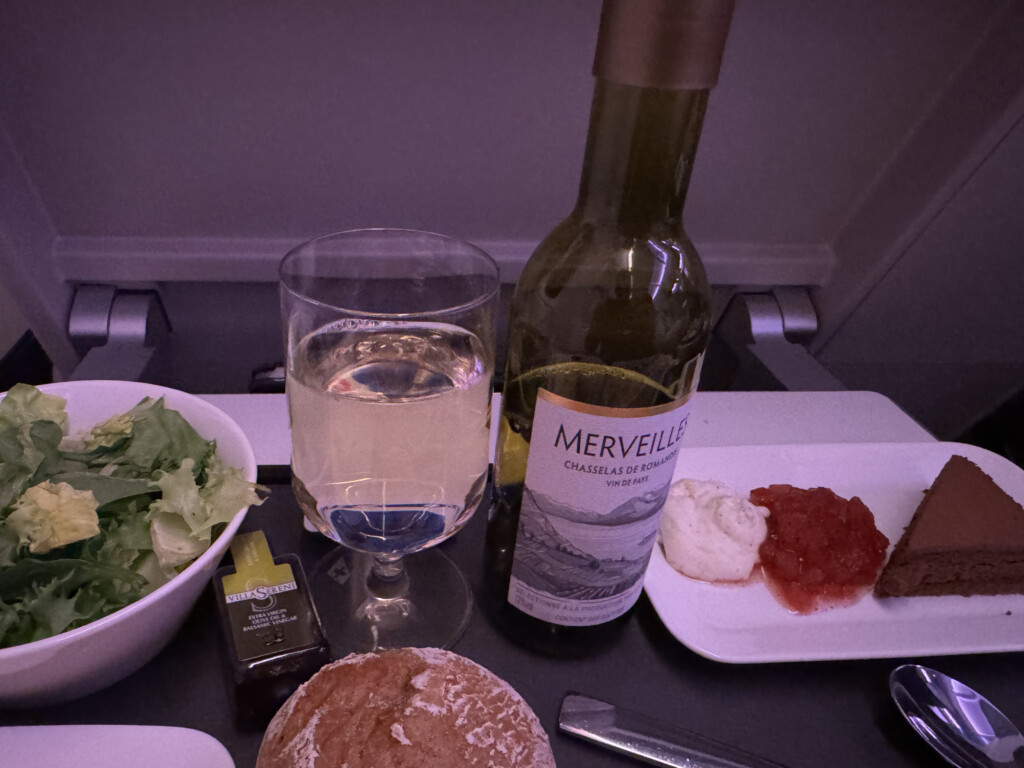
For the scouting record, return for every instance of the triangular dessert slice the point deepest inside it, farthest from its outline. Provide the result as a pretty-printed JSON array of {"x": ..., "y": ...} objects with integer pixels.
[{"x": 966, "y": 538}]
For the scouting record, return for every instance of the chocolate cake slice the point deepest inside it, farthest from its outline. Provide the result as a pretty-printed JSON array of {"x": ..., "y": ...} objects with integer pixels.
[{"x": 966, "y": 538}]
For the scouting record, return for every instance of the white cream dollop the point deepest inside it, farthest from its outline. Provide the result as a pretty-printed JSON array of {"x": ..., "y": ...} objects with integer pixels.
[{"x": 711, "y": 533}]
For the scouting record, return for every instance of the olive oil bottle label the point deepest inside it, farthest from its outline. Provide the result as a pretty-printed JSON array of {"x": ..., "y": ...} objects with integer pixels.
[
  {"x": 265, "y": 608},
  {"x": 596, "y": 480}
]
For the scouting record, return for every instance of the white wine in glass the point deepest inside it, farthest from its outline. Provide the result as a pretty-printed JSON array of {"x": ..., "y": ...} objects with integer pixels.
[{"x": 390, "y": 347}]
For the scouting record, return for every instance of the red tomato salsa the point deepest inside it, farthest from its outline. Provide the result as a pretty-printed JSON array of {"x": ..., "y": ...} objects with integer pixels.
[{"x": 821, "y": 549}]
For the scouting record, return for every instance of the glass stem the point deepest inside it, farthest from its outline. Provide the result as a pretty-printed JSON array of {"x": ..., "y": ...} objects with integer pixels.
[{"x": 387, "y": 579}]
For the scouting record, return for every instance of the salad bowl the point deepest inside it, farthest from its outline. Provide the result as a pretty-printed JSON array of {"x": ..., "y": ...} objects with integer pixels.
[{"x": 88, "y": 658}]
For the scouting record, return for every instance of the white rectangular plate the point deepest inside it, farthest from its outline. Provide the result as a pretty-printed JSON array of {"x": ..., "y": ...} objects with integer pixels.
[
  {"x": 745, "y": 624},
  {"x": 110, "y": 746}
]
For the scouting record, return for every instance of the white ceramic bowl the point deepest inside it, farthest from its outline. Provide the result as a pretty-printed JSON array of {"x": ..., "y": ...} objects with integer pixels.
[{"x": 84, "y": 660}]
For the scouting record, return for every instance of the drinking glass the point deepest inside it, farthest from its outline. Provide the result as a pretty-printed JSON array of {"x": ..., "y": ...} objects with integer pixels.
[{"x": 390, "y": 357}]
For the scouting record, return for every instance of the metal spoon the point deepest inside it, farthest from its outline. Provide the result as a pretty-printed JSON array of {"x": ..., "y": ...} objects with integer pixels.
[{"x": 960, "y": 724}]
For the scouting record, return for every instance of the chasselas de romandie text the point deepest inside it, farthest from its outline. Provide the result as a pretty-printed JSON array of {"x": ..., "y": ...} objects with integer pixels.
[{"x": 617, "y": 446}]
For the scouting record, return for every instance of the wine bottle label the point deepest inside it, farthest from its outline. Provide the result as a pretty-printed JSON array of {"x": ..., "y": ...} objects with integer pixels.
[{"x": 596, "y": 480}]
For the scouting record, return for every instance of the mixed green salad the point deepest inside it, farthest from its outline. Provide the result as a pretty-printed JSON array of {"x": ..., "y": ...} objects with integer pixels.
[{"x": 91, "y": 524}]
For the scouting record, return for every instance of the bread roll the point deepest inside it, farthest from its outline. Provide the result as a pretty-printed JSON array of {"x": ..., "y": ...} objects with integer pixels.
[{"x": 408, "y": 707}]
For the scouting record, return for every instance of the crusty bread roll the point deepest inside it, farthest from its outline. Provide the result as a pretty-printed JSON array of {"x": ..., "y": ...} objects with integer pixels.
[{"x": 409, "y": 707}]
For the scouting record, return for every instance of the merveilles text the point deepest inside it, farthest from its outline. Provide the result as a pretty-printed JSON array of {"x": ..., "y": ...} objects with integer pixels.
[{"x": 617, "y": 446}]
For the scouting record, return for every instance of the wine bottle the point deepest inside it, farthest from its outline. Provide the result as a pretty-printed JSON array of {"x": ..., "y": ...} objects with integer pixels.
[{"x": 608, "y": 327}]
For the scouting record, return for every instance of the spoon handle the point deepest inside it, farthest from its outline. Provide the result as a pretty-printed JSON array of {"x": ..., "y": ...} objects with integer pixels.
[{"x": 656, "y": 743}]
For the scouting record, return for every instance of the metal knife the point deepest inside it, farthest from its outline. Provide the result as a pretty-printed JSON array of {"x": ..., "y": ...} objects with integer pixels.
[{"x": 648, "y": 740}]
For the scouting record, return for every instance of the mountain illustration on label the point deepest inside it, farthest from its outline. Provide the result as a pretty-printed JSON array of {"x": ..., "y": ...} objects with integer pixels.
[{"x": 572, "y": 553}]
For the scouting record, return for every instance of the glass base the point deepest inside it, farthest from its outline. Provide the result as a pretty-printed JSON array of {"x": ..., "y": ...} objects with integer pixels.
[{"x": 426, "y": 604}]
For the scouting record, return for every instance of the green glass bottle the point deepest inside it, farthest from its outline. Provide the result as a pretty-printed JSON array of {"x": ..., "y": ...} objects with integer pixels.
[{"x": 609, "y": 323}]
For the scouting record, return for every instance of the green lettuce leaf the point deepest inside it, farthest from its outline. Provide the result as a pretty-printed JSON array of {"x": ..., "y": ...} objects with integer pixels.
[
  {"x": 226, "y": 491},
  {"x": 24, "y": 404},
  {"x": 162, "y": 439},
  {"x": 54, "y": 607},
  {"x": 111, "y": 434},
  {"x": 28, "y": 454},
  {"x": 9, "y": 544},
  {"x": 173, "y": 543},
  {"x": 179, "y": 495},
  {"x": 124, "y": 541},
  {"x": 106, "y": 488},
  {"x": 139, "y": 442},
  {"x": 40, "y": 598},
  {"x": 186, "y": 514},
  {"x": 31, "y": 573},
  {"x": 52, "y": 515}
]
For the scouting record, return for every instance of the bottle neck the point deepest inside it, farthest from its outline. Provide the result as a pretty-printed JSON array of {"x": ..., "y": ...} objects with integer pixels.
[{"x": 639, "y": 156}]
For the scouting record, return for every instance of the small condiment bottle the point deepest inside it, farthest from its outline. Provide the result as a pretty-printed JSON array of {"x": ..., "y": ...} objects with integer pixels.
[{"x": 272, "y": 632}]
